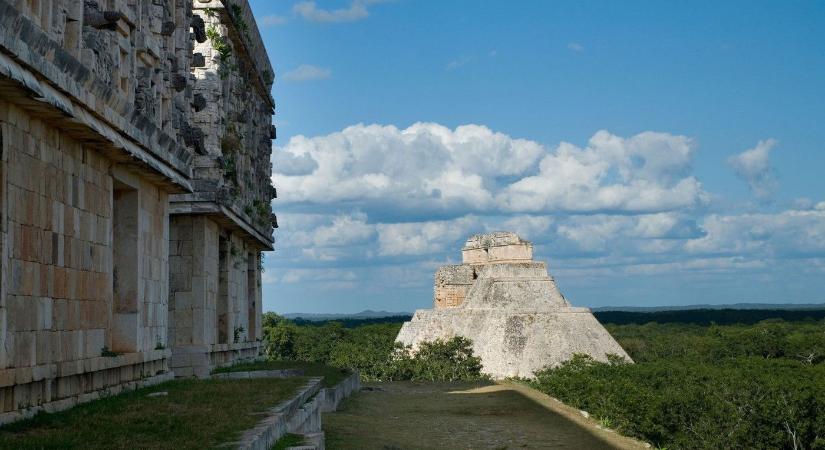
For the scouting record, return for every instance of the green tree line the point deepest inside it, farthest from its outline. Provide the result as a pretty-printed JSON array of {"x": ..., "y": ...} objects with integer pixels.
[
  {"x": 371, "y": 349},
  {"x": 694, "y": 384},
  {"x": 758, "y": 386}
]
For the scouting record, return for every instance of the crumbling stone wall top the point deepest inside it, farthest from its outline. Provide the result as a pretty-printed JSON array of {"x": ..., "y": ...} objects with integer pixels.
[
  {"x": 494, "y": 239},
  {"x": 249, "y": 37},
  {"x": 499, "y": 246}
]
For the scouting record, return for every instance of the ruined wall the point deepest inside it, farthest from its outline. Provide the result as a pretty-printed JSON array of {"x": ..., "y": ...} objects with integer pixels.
[
  {"x": 232, "y": 79},
  {"x": 452, "y": 284},
  {"x": 231, "y": 96},
  {"x": 60, "y": 316},
  {"x": 214, "y": 310},
  {"x": 95, "y": 125},
  {"x": 125, "y": 60}
]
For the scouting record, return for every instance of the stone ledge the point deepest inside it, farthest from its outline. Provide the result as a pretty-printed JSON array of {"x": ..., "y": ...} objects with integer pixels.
[
  {"x": 332, "y": 397},
  {"x": 286, "y": 373},
  {"x": 23, "y": 375},
  {"x": 300, "y": 414},
  {"x": 23, "y": 88},
  {"x": 267, "y": 432},
  {"x": 231, "y": 218},
  {"x": 69, "y": 402},
  {"x": 234, "y": 346}
]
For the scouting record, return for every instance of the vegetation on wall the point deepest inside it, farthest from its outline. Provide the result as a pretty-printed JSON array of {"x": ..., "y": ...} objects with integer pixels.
[{"x": 223, "y": 48}]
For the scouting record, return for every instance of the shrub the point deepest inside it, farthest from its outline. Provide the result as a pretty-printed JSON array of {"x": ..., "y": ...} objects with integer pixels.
[{"x": 372, "y": 350}]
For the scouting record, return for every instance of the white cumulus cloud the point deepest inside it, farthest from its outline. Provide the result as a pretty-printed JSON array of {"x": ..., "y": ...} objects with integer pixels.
[
  {"x": 754, "y": 167},
  {"x": 424, "y": 238},
  {"x": 357, "y": 10},
  {"x": 307, "y": 72},
  {"x": 272, "y": 20},
  {"x": 790, "y": 233},
  {"x": 429, "y": 169},
  {"x": 648, "y": 172}
]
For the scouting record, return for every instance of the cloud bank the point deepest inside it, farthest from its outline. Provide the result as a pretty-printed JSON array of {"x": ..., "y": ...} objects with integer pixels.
[
  {"x": 428, "y": 169},
  {"x": 372, "y": 210}
]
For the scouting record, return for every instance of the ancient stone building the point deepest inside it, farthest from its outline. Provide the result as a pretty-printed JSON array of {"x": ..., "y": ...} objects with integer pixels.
[
  {"x": 126, "y": 234},
  {"x": 219, "y": 231},
  {"x": 511, "y": 308}
]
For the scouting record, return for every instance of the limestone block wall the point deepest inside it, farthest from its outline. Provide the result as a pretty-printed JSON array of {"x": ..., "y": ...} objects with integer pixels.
[
  {"x": 193, "y": 287},
  {"x": 125, "y": 60},
  {"x": 65, "y": 331},
  {"x": 496, "y": 247},
  {"x": 452, "y": 284},
  {"x": 214, "y": 291},
  {"x": 216, "y": 312}
]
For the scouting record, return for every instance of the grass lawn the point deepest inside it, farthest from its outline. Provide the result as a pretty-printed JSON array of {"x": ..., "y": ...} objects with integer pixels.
[
  {"x": 332, "y": 375},
  {"x": 195, "y": 414},
  {"x": 289, "y": 440},
  {"x": 411, "y": 415}
]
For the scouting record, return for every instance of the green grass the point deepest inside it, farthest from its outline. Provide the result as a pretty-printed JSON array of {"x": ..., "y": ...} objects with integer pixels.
[
  {"x": 196, "y": 414},
  {"x": 332, "y": 375},
  {"x": 288, "y": 440},
  {"x": 423, "y": 416}
]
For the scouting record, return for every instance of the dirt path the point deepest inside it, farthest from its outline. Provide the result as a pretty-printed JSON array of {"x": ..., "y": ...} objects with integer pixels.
[{"x": 422, "y": 416}]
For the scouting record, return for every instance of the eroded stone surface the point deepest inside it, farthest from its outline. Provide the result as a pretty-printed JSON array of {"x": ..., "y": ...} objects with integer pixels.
[{"x": 511, "y": 308}]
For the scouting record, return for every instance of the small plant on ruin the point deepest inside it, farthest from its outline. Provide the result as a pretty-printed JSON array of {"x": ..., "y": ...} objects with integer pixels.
[
  {"x": 241, "y": 24},
  {"x": 263, "y": 210},
  {"x": 248, "y": 210},
  {"x": 268, "y": 77},
  {"x": 221, "y": 45},
  {"x": 237, "y": 333},
  {"x": 105, "y": 352},
  {"x": 229, "y": 168}
]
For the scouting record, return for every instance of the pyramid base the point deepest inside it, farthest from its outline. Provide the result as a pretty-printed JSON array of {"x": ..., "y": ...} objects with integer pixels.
[{"x": 516, "y": 343}]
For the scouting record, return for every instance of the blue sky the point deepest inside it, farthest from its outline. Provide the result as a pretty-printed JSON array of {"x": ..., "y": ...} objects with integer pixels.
[{"x": 656, "y": 153}]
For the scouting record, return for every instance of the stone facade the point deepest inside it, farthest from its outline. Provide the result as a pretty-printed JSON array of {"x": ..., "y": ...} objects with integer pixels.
[
  {"x": 127, "y": 255},
  {"x": 511, "y": 309},
  {"x": 220, "y": 229}
]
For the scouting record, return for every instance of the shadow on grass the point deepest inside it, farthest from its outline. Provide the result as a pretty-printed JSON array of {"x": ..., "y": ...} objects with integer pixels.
[{"x": 410, "y": 415}]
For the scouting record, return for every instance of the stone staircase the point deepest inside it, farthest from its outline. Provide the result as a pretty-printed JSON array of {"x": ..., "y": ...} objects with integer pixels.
[{"x": 300, "y": 414}]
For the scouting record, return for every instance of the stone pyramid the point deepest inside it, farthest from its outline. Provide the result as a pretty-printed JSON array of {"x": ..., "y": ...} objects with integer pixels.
[{"x": 511, "y": 308}]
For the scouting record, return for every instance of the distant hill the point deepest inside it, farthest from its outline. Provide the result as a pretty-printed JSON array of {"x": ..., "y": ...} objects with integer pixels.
[
  {"x": 366, "y": 314},
  {"x": 726, "y": 316},
  {"x": 745, "y": 313},
  {"x": 772, "y": 306}
]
